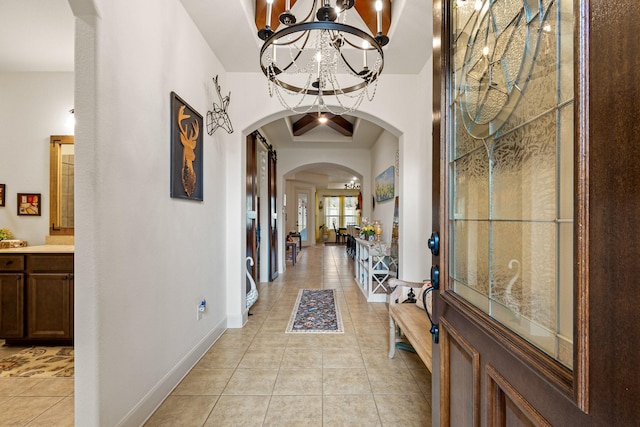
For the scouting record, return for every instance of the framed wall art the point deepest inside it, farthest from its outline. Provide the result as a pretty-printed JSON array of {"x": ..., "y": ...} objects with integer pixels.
[
  {"x": 385, "y": 185},
  {"x": 186, "y": 150},
  {"x": 29, "y": 204},
  {"x": 3, "y": 189}
]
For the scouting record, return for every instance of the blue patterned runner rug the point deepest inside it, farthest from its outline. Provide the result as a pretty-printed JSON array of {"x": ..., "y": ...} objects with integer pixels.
[{"x": 316, "y": 311}]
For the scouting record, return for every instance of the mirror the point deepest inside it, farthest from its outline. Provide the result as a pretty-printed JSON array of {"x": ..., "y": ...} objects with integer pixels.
[{"x": 61, "y": 172}]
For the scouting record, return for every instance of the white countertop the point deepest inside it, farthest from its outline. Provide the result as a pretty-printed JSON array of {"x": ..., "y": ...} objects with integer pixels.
[{"x": 40, "y": 249}]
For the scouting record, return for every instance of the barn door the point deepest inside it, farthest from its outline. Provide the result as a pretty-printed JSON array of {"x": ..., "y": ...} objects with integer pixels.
[
  {"x": 273, "y": 214},
  {"x": 520, "y": 179},
  {"x": 252, "y": 208}
]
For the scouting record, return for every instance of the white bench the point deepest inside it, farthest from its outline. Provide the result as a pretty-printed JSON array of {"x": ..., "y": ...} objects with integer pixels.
[{"x": 409, "y": 321}]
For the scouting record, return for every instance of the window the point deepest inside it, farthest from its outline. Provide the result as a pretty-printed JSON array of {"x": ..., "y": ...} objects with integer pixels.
[
  {"x": 350, "y": 215},
  {"x": 332, "y": 211},
  {"x": 340, "y": 211}
]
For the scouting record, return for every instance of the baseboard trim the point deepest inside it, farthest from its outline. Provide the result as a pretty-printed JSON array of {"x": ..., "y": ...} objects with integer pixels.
[{"x": 143, "y": 410}]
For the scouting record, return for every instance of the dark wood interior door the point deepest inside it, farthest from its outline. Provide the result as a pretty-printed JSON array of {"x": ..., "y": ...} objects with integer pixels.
[
  {"x": 273, "y": 214},
  {"x": 252, "y": 207},
  {"x": 502, "y": 362}
]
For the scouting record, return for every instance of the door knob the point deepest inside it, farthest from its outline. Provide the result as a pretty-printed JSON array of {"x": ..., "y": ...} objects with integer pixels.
[{"x": 434, "y": 243}]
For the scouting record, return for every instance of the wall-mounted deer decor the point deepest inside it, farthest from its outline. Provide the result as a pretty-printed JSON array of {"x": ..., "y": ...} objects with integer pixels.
[
  {"x": 218, "y": 118},
  {"x": 189, "y": 140},
  {"x": 186, "y": 150}
]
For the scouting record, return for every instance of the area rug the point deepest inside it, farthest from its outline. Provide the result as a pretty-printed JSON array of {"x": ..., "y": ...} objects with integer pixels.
[
  {"x": 316, "y": 311},
  {"x": 39, "y": 362}
]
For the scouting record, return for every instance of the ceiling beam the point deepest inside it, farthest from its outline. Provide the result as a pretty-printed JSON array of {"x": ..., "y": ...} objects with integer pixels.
[
  {"x": 310, "y": 121},
  {"x": 340, "y": 124},
  {"x": 366, "y": 10},
  {"x": 305, "y": 124}
]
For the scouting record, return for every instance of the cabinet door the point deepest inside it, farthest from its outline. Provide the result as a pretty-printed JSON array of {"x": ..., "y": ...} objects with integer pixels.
[
  {"x": 11, "y": 305},
  {"x": 49, "y": 306}
]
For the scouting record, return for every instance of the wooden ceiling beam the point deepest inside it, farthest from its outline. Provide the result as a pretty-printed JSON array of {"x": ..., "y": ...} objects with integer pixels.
[
  {"x": 341, "y": 125},
  {"x": 310, "y": 121},
  {"x": 365, "y": 8},
  {"x": 305, "y": 124}
]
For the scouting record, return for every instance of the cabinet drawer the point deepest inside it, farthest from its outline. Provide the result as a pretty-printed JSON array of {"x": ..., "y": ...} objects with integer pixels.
[
  {"x": 55, "y": 262},
  {"x": 11, "y": 262}
]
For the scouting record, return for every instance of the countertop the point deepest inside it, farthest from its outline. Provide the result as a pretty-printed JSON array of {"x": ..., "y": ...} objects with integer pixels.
[{"x": 40, "y": 249}]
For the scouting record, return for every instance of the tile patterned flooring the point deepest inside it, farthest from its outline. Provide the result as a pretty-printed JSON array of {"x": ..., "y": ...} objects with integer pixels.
[
  {"x": 261, "y": 376},
  {"x": 33, "y": 401}
]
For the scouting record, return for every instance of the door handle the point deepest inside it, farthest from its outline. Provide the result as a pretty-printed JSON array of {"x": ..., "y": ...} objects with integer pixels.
[
  {"x": 435, "y": 277},
  {"x": 434, "y": 243}
]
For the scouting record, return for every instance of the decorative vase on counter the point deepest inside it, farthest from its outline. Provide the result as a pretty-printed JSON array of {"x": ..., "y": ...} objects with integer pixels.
[{"x": 377, "y": 229}]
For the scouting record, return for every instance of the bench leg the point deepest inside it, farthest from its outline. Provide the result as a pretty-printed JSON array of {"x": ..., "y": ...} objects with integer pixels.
[{"x": 392, "y": 338}]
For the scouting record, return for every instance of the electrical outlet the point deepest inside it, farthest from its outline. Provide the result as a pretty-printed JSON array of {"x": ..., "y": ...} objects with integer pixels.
[{"x": 202, "y": 306}]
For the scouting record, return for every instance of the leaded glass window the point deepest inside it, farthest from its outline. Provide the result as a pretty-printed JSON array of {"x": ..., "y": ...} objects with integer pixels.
[{"x": 511, "y": 166}]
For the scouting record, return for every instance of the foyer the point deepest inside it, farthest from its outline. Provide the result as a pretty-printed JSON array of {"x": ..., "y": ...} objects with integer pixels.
[{"x": 261, "y": 376}]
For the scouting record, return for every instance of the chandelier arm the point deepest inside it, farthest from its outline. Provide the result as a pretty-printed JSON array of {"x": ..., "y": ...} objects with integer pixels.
[
  {"x": 300, "y": 50},
  {"x": 313, "y": 8}
]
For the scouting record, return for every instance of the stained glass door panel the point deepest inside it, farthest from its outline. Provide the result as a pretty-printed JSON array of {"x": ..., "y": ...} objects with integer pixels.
[{"x": 511, "y": 166}]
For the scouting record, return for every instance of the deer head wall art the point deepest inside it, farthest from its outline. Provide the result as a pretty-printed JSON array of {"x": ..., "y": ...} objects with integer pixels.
[{"x": 186, "y": 150}]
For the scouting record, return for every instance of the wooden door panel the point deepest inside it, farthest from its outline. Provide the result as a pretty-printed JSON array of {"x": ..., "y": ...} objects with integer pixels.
[
  {"x": 461, "y": 379},
  {"x": 507, "y": 407},
  {"x": 251, "y": 195},
  {"x": 273, "y": 215},
  {"x": 49, "y": 306},
  {"x": 11, "y": 305}
]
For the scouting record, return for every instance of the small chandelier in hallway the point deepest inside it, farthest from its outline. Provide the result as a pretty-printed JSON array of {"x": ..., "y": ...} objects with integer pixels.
[{"x": 320, "y": 59}]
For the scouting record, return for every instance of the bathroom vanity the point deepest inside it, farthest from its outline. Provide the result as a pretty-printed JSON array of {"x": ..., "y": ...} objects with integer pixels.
[{"x": 36, "y": 294}]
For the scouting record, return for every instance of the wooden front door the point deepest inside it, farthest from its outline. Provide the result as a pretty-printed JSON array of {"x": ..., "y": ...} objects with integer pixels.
[{"x": 536, "y": 199}]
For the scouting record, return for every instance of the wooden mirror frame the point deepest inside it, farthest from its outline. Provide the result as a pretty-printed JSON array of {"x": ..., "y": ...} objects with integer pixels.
[{"x": 55, "y": 185}]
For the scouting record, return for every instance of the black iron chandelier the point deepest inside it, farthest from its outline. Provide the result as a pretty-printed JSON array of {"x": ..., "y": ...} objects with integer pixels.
[{"x": 320, "y": 62}]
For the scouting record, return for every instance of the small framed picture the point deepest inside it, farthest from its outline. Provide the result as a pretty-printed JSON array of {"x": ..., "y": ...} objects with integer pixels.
[
  {"x": 29, "y": 204},
  {"x": 3, "y": 188}
]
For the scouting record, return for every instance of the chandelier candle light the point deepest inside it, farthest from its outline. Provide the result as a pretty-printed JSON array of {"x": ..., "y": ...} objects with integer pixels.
[{"x": 321, "y": 62}]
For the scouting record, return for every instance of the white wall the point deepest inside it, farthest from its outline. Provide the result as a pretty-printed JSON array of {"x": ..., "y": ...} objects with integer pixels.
[
  {"x": 143, "y": 259},
  {"x": 33, "y": 106},
  {"x": 383, "y": 155},
  {"x": 401, "y": 106}
]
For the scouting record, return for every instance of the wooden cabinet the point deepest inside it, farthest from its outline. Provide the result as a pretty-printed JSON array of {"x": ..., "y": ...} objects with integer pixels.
[
  {"x": 49, "y": 303},
  {"x": 11, "y": 305},
  {"x": 36, "y": 297}
]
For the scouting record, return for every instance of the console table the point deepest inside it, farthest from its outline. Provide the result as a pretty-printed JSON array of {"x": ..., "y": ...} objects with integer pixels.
[
  {"x": 294, "y": 251},
  {"x": 372, "y": 270}
]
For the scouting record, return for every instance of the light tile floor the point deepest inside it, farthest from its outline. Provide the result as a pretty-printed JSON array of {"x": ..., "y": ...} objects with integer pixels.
[
  {"x": 35, "y": 402},
  {"x": 261, "y": 376}
]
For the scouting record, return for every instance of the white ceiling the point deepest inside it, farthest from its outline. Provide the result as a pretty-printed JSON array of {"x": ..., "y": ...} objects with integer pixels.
[{"x": 37, "y": 36}]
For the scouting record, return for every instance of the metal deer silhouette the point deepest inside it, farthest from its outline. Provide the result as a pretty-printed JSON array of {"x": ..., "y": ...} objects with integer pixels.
[
  {"x": 218, "y": 118},
  {"x": 189, "y": 139}
]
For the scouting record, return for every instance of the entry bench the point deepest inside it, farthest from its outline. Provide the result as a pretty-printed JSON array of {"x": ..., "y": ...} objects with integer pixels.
[{"x": 407, "y": 320}]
